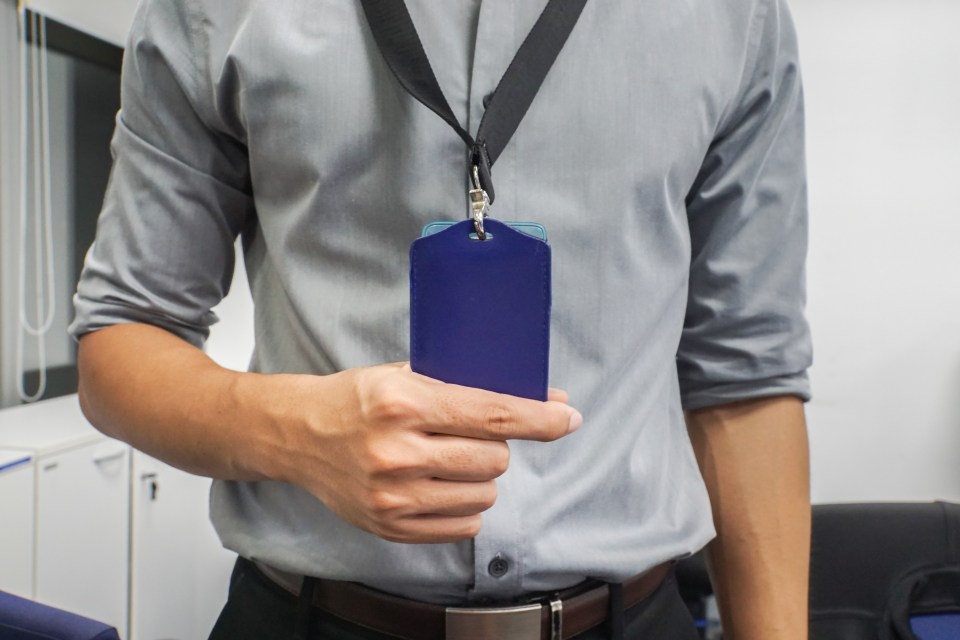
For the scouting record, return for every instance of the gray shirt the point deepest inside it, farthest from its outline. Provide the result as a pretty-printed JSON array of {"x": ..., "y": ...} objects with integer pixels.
[{"x": 664, "y": 155}]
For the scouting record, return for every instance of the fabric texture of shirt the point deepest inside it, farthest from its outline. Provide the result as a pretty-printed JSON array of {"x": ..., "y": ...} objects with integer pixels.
[{"x": 664, "y": 155}]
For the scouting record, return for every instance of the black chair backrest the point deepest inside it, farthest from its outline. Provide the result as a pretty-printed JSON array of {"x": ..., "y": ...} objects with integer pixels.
[{"x": 873, "y": 566}]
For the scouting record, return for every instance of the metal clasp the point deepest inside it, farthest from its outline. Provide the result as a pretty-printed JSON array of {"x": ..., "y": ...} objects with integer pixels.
[
  {"x": 479, "y": 203},
  {"x": 556, "y": 618},
  {"x": 515, "y": 623}
]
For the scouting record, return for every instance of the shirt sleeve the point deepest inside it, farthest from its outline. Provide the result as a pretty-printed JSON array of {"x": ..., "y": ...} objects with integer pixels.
[
  {"x": 179, "y": 191},
  {"x": 745, "y": 334}
]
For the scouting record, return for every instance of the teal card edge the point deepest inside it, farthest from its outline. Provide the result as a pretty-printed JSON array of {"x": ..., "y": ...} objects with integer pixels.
[{"x": 532, "y": 229}]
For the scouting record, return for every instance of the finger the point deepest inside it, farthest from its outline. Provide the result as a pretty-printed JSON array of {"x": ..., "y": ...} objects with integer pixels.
[
  {"x": 431, "y": 496},
  {"x": 436, "y": 497},
  {"x": 475, "y": 413},
  {"x": 465, "y": 459},
  {"x": 431, "y": 529}
]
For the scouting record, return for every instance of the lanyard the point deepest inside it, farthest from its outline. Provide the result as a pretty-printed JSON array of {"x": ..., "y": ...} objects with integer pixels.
[{"x": 400, "y": 45}]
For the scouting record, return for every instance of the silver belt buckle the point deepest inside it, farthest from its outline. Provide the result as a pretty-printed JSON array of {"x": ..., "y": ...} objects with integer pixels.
[{"x": 515, "y": 623}]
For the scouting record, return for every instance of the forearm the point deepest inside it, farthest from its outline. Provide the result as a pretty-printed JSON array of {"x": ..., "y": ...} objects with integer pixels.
[
  {"x": 395, "y": 453},
  {"x": 145, "y": 386},
  {"x": 755, "y": 462}
]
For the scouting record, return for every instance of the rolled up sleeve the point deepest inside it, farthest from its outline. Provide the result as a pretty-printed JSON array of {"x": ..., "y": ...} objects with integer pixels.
[
  {"x": 745, "y": 334},
  {"x": 178, "y": 194}
]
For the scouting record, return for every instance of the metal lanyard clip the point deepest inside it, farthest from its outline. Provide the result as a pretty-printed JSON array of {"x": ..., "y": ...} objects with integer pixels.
[{"x": 479, "y": 203}]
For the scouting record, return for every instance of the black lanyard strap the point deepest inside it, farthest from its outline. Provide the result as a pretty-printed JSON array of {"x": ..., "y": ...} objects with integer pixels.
[{"x": 400, "y": 45}]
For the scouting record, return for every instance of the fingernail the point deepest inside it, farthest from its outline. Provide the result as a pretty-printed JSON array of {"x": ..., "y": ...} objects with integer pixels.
[{"x": 575, "y": 421}]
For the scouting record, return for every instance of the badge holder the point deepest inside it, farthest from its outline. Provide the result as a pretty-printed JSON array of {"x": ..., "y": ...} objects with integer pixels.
[
  {"x": 480, "y": 289},
  {"x": 480, "y": 304}
]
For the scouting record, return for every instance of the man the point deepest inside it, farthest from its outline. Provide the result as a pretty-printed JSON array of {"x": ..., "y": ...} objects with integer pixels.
[{"x": 664, "y": 154}]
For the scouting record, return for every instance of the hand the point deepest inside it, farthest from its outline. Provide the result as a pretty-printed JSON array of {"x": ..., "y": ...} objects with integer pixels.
[{"x": 412, "y": 459}]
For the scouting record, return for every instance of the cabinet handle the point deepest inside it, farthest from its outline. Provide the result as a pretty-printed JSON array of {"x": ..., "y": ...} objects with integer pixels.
[
  {"x": 107, "y": 457},
  {"x": 154, "y": 485}
]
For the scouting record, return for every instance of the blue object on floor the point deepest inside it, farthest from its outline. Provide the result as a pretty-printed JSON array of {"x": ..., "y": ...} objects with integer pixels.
[
  {"x": 941, "y": 626},
  {"x": 22, "y": 619}
]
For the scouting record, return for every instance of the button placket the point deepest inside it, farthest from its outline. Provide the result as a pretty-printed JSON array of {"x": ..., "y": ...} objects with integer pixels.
[{"x": 497, "y": 550}]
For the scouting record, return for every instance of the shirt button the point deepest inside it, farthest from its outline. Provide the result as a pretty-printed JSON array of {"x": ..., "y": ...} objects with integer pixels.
[
  {"x": 498, "y": 567},
  {"x": 486, "y": 99}
]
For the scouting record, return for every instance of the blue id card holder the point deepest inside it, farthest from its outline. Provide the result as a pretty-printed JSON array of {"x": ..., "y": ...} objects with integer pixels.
[
  {"x": 480, "y": 309},
  {"x": 479, "y": 298}
]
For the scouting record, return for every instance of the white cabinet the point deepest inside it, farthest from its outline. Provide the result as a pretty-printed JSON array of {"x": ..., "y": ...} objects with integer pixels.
[
  {"x": 91, "y": 526},
  {"x": 174, "y": 556},
  {"x": 16, "y": 523},
  {"x": 81, "y": 496},
  {"x": 82, "y": 539}
]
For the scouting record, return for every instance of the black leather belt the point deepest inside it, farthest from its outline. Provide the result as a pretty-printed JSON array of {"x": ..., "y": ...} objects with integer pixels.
[{"x": 564, "y": 615}]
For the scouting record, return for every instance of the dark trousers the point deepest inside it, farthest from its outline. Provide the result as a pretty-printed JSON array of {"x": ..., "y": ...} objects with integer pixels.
[{"x": 259, "y": 609}]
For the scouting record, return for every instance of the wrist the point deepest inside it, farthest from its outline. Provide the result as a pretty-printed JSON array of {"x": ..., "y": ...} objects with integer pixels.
[
  {"x": 281, "y": 416},
  {"x": 254, "y": 406}
]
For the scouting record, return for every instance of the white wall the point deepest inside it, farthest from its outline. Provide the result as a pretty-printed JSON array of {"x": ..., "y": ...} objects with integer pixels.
[
  {"x": 883, "y": 97},
  {"x": 231, "y": 340},
  {"x": 107, "y": 19}
]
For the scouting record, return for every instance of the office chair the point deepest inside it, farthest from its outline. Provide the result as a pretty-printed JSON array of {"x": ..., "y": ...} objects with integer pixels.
[
  {"x": 885, "y": 572},
  {"x": 22, "y": 619},
  {"x": 877, "y": 572}
]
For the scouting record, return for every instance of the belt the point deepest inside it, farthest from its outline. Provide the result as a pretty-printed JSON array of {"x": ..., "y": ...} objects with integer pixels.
[{"x": 564, "y": 615}]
